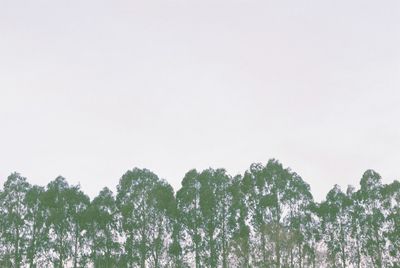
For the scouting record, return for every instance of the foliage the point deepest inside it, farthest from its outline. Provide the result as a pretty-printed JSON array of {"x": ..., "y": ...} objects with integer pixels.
[{"x": 266, "y": 217}]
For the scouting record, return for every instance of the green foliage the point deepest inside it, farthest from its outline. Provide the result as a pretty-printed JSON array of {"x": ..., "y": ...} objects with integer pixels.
[
  {"x": 103, "y": 229},
  {"x": 265, "y": 218},
  {"x": 146, "y": 204},
  {"x": 14, "y": 213}
]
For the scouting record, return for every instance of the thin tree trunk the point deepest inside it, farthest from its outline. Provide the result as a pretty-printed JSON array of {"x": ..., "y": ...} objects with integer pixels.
[
  {"x": 33, "y": 248},
  {"x": 277, "y": 244},
  {"x": 16, "y": 250},
  {"x": 76, "y": 248},
  {"x": 263, "y": 244}
]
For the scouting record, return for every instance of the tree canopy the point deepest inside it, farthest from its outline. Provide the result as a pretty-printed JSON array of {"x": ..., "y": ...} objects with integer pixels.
[{"x": 265, "y": 217}]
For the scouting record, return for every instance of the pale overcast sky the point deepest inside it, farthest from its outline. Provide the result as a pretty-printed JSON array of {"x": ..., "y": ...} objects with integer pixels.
[{"x": 90, "y": 89}]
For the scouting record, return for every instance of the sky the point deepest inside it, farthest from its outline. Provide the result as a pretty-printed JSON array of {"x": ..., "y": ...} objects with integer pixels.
[{"x": 90, "y": 89}]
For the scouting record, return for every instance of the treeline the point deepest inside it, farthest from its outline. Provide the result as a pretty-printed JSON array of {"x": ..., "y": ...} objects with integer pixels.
[{"x": 264, "y": 218}]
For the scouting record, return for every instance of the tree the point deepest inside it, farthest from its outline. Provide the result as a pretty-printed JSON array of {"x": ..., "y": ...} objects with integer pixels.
[
  {"x": 14, "y": 231},
  {"x": 355, "y": 239},
  {"x": 188, "y": 203},
  {"x": 391, "y": 195},
  {"x": 104, "y": 230},
  {"x": 36, "y": 220},
  {"x": 240, "y": 231},
  {"x": 146, "y": 204},
  {"x": 336, "y": 226},
  {"x": 215, "y": 203},
  {"x": 279, "y": 206},
  {"x": 257, "y": 195},
  {"x": 373, "y": 218},
  {"x": 175, "y": 250},
  {"x": 300, "y": 222},
  {"x": 78, "y": 203},
  {"x": 58, "y": 222}
]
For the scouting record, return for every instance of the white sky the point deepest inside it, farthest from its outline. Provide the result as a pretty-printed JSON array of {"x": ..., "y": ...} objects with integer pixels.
[{"x": 90, "y": 89}]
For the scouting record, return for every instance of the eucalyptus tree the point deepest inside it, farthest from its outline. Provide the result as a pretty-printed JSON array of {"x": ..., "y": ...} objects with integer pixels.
[
  {"x": 336, "y": 225},
  {"x": 60, "y": 221},
  {"x": 391, "y": 195},
  {"x": 300, "y": 221},
  {"x": 277, "y": 181},
  {"x": 4, "y": 252},
  {"x": 57, "y": 221},
  {"x": 146, "y": 204},
  {"x": 162, "y": 214},
  {"x": 176, "y": 251},
  {"x": 37, "y": 231},
  {"x": 354, "y": 240},
  {"x": 256, "y": 194},
  {"x": 373, "y": 223},
  {"x": 190, "y": 216},
  {"x": 204, "y": 203},
  {"x": 276, "y": 199},
  {"x": 77, "y": 204},
  {"x": 103, "y": 230},
  {"x": 239, "y": 245},
  {"x": 14, "y": 231},
  {"x": 208, "y": 208},
  {"x": 215, "y": 203}
]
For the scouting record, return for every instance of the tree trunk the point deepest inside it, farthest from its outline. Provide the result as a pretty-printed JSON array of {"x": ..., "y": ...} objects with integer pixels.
[
  {"x": 143, "y": 250},
  {"x": 277, "y": 242},
  {"x": 263, "y": 244},
  {"x": 76, "y": 247},
  {"x": 33, "y": 246},
  {"x": 16, "y": 250},
  {"x": 213, "y": 257}
]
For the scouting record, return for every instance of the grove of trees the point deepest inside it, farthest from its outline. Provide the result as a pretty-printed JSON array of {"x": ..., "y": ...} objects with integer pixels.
[{"x": 266, "y": 217}]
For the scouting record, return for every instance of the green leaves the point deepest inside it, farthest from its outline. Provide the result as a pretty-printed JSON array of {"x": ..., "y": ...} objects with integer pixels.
[
  {"x": 265, "y": 218},
  {"x": 147, "y": 210},
  {"x": 103, "y": 229},
  {"x": 14, "y": 214},
  {"x": 278, "y": 201}
]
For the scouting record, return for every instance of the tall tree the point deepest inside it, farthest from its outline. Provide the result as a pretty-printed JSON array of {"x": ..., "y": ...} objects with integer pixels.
[
  {"x": 266, "y": 198},
  {"x": 373, "y": 222},
  {"x": 355, "y": 211},
  {"x": 336, "y": 226},
  {"x": 275, "y": 198},
  {"x": 78, "y": 203},
  {"x": 145, "y": 203},
  {"x": 215, "y": 203},
  {"x": 239, "y": 245},
  {"x": 391, "y": 194},
  {"x": 300, "y": 223},
  {"x": 104, "y": 230},
  {"x": 4, "y": 256},
  {"x": 256, "y": 193},
  {"x": 188, "y": 202},
  {"x": 37, "y": 231},
  {"x": 14, "y": 231},
  {"x": 204, "y": 203},
  {"x": 58, "y": 222},
  {"x": 175, "y": 250}
]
